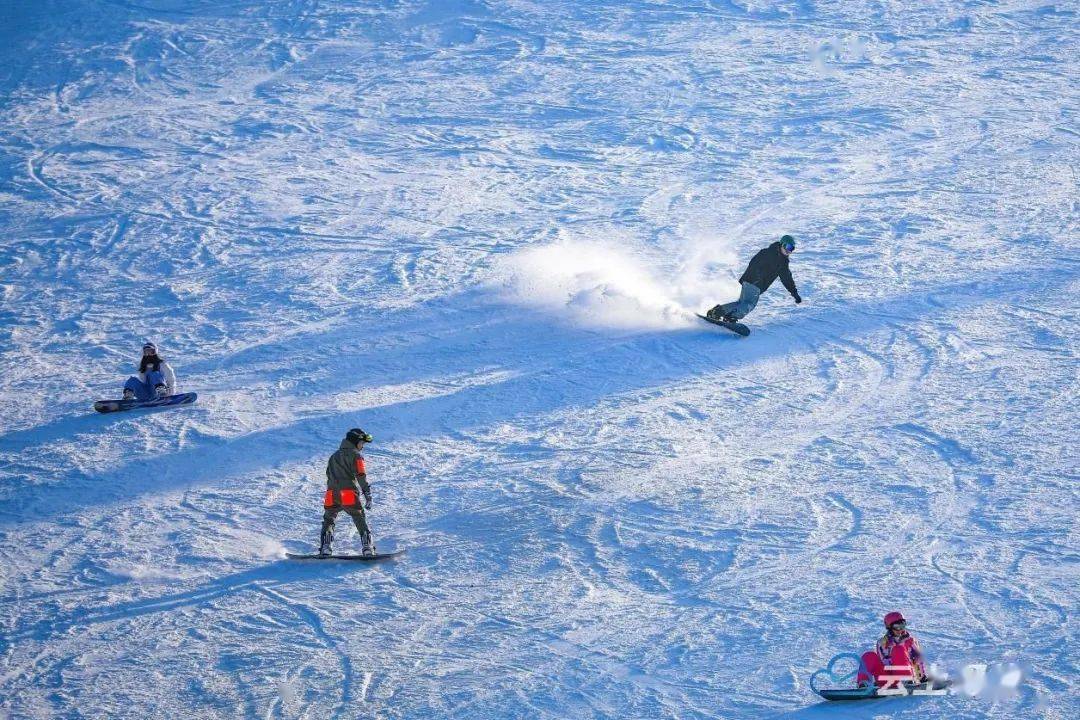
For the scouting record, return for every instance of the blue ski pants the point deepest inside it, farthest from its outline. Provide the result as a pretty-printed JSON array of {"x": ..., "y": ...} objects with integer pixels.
[{"x": 145, "y": 390}]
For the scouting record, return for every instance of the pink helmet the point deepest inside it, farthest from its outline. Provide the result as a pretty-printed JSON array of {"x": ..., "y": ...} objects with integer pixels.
[{"x": 894, "y": 617}]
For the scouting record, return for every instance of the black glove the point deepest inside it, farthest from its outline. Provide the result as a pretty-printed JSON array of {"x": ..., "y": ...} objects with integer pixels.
[
  {"x": 798, "y": 298},
  {"x": 367, "y": 503}
]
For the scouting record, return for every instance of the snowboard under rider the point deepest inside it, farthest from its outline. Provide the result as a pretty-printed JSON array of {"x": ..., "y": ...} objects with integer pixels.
[
  {"x": 346, "y": 481},
  {"x": 768, "y": 264},
  {"x": 898, "y": 648},
  {"x": 156, "y": 378}
]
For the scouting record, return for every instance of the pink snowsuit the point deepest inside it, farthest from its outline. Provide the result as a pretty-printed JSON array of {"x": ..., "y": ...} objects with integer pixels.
[{"x": 903, "y": 651}]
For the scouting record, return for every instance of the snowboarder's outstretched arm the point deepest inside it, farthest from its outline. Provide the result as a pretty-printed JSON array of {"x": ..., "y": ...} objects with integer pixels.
[{"x": 789, "y": 283}]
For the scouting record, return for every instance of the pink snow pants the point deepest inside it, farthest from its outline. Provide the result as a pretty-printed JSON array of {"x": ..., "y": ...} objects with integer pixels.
[{"x": 872, "y": 662}]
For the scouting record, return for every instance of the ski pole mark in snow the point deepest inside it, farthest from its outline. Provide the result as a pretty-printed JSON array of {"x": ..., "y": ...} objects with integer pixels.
[
  {"x": 365, "y": 685},
  {"x": 35, "y": 169}
]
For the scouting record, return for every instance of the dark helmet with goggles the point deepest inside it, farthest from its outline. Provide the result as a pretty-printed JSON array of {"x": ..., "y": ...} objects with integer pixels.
[{"x": 357, "y": 436}]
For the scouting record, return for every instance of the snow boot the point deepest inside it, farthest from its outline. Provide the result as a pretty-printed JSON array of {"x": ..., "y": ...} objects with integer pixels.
[
  {"x": 161, "y": 390},
  {"x": 326, "y": 542},
  {"x": 369, "y": 546},
  {"x": 129, "y": 394},
  {"x": 717, "y": 313}
]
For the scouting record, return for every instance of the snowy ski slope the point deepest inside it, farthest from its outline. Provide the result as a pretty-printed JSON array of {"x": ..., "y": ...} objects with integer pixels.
[{"x": 480, "y": 230}]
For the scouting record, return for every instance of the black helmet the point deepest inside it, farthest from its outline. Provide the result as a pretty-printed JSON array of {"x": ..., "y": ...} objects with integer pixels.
[{"x": 356, "y": 436}]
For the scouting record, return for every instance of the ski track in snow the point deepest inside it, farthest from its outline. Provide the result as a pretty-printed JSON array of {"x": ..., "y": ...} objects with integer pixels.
[{"x": 480, "y": 230}]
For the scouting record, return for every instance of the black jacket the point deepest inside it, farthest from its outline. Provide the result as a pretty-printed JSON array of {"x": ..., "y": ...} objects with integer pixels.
[{"x": 766, "y": 266}]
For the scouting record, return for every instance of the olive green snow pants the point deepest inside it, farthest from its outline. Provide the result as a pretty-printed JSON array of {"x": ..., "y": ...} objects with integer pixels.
[{"x": 355, "y": 512}]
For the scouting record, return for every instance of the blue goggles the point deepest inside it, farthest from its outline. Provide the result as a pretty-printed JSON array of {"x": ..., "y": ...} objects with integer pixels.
[{"x": 789, "y": 246}]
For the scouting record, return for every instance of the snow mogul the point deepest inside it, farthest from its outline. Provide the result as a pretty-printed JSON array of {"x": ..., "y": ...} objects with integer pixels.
[
  {"x": 156, "y": 378},
  {"x": 897, "y": 648},
  {"x": 346, "y": 481},
  {"x": 768, "y": 264}
]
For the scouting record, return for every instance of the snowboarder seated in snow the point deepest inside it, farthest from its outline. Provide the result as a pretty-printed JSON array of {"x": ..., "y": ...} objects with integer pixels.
[
  {"x": 156, "y": 378},
  {"x": 767, "y": 265},
  {"x": 346, "y": 480},
  {"x": 896, "y": 648}
]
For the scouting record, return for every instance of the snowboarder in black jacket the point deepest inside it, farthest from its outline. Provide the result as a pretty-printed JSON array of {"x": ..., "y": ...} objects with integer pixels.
[{"x": 769, "y": 263}]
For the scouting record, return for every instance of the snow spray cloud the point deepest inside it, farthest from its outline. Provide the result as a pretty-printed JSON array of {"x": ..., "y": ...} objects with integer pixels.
[{"x": 601, "y": 284}]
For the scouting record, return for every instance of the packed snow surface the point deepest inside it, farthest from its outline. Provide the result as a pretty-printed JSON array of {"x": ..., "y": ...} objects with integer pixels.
[{"x": 480, "y": 231}]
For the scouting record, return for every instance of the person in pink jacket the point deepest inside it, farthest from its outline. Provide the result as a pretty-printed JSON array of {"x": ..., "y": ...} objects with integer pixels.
[{"x": 896, "y": 648}]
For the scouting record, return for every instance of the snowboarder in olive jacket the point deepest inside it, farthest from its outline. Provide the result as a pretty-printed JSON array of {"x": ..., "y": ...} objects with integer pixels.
[
  {"x": 767, "y": 265},
  {"x": 346, "y": 481}
]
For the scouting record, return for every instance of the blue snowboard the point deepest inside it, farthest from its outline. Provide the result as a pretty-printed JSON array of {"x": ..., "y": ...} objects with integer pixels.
[
  {"x": 107, "y": 406},
  {"x": 930, "y": 687}
]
